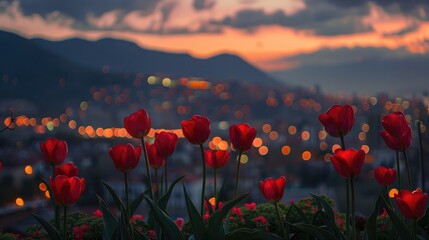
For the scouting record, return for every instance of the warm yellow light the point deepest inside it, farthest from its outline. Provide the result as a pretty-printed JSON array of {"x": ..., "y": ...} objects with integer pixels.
[
  {"x": 166, "y": 82},
  {"x": 273, "y": 135},
  {"x": 323, "y": 146},
  {"x": 244, "y": 159},
  {"x": 19, "y": 202},
  {"x": 322, "y": 134},
  {"x": 212, "y": 201},
  {"x": 216, "y": 140},
  {"x": 223, "y": 145},
  {"x": 28, "y": 170},
  {"x": 263, "y": 150},
  {"x": 365, "y": 148},
  {"x": 257, "y": 142},
  {"x": 266, "y": 128},
  {"x": 285, "y": 150},
  {"x": 47, "y": 195},
  {"x": 365, "y": 127},
  {"x": 43, "y": 187},
  {"x": 83, "y": 105},
  {"x": 305, "y": 135},
  {"x": 335, "y": 147},
  {"x": 393, "y": 192},
  {"x": 72, "y": 124},
  {"x": 291, "y": 130},
  {"x": 151, "y": 80},
  {"x": 306, "y": 155},
  {"x": 108, "y": 133},
  {"x": 362, "y": 136}
]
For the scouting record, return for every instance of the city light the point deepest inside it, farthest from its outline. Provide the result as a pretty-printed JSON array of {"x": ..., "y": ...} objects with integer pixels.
[
  {"x": 28, "y": 170},
  {"x": 19, "y": 202}
]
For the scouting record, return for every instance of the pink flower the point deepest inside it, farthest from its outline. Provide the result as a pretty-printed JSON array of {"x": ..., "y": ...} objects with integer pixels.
[
  {"x": 237, "y": 211},
  {"x": 151, "y": 234},
  {"x": 136, "y": 217},
  {"x": 97, "y": 213},
  {"x": 79, "y": 231},
  {"x": 179, "y": 223},
  {"x": 260, "y": 220},
  {"x": 250, "y": 206}
]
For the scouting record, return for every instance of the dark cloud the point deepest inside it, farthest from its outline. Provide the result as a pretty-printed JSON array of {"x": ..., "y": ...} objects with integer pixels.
[
  {"x": 321, "y": 17},
  {"x": 203, "y": 4},
  {"x": 339, "y": 56},
  {"x": 79, "y": 9},
  {"x": 415, "y": 8}
]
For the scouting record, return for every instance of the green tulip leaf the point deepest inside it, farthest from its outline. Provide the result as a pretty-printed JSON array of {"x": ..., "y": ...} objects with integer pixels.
[
  {"x": 52, "y": 232},
  {"x": 402, "y": 228},
  {"x": 162, "y": 203},
  {"x": 114, "y": 194},
  {"x": 316, "y": 231},
  {"x": 169, "y": 228},
  {"x": 371, "y": 225},
  {"x": 215, "y": 222},
  {"x": 124, "y": 226},
  {"x": 137, "y": 201},
  {"x": 109, "y": 221},
  {"x": 300, "y": 213},
  {"x": 251, "y": 234},
  {"x": 327, "y": 216},
  {"x": 198, "y": 227}
]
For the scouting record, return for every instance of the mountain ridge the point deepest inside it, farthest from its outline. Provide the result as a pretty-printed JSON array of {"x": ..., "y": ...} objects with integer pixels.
[{"x": 121, "y": 55}]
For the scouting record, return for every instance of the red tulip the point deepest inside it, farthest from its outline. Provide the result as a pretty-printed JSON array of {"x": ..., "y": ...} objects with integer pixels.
[
  {"x": 196, "y": 129},
  {"x": 68, "y": 169},
  {"x": 273, "y": 189},
  {"x": 242, "y": 136},
  {"x": 67, "y": 190},
  {"x": 165, "y": 143},
  {"x": 338, "y": 120},
  {"x": 348, "y": 163},
  {"x": 216, "y": 159},
  {"x": 397, "y": 132},
  {"x": 54, "y": 151},
  {"x": 138, "y": 124},
  {"x": 155, "y": 160},
  {"x": 125, "y": 156},
  {"x": 385, "y": 176},
  {"x": 411, "y": 204}
]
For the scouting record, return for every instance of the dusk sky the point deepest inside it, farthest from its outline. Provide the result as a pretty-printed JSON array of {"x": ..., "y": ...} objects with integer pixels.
[{"x": 268, "y": 33}]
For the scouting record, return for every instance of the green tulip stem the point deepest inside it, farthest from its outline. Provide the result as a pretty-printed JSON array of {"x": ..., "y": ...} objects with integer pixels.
[
  {"x": 352, "y": 188},
  {"x": 127, "y": 200},
  {"x": 343, "y": 145},
  {"x": 204, "y": 180},
  {"x": 390, "y": 199},
  {"x": 282, "y": 227},
  {"x": 408, "y": 170},
  {"x": 414, "y": 229},
  {"x": 422, "y": 165},
  {"x": 215, "y": 188},
  {"x": 237, "y": 174},
  {"x": 348, "y": 209},
  {"x": 157, "y": 184},
  {"x": 165, "y": 176},
  {"x": 398, "y": 169},
  {"x": 56, "y": 207},
  {"x": 149, "y": 179},
  {"x": 65, "y": 223}
]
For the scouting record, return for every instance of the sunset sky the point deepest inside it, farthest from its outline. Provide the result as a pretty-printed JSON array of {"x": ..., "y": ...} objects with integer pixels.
[{"x": 258, "y": 30}]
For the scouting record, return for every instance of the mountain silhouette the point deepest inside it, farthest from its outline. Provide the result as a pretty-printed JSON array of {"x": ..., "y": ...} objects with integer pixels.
[{"x": 120, "y": 56}]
